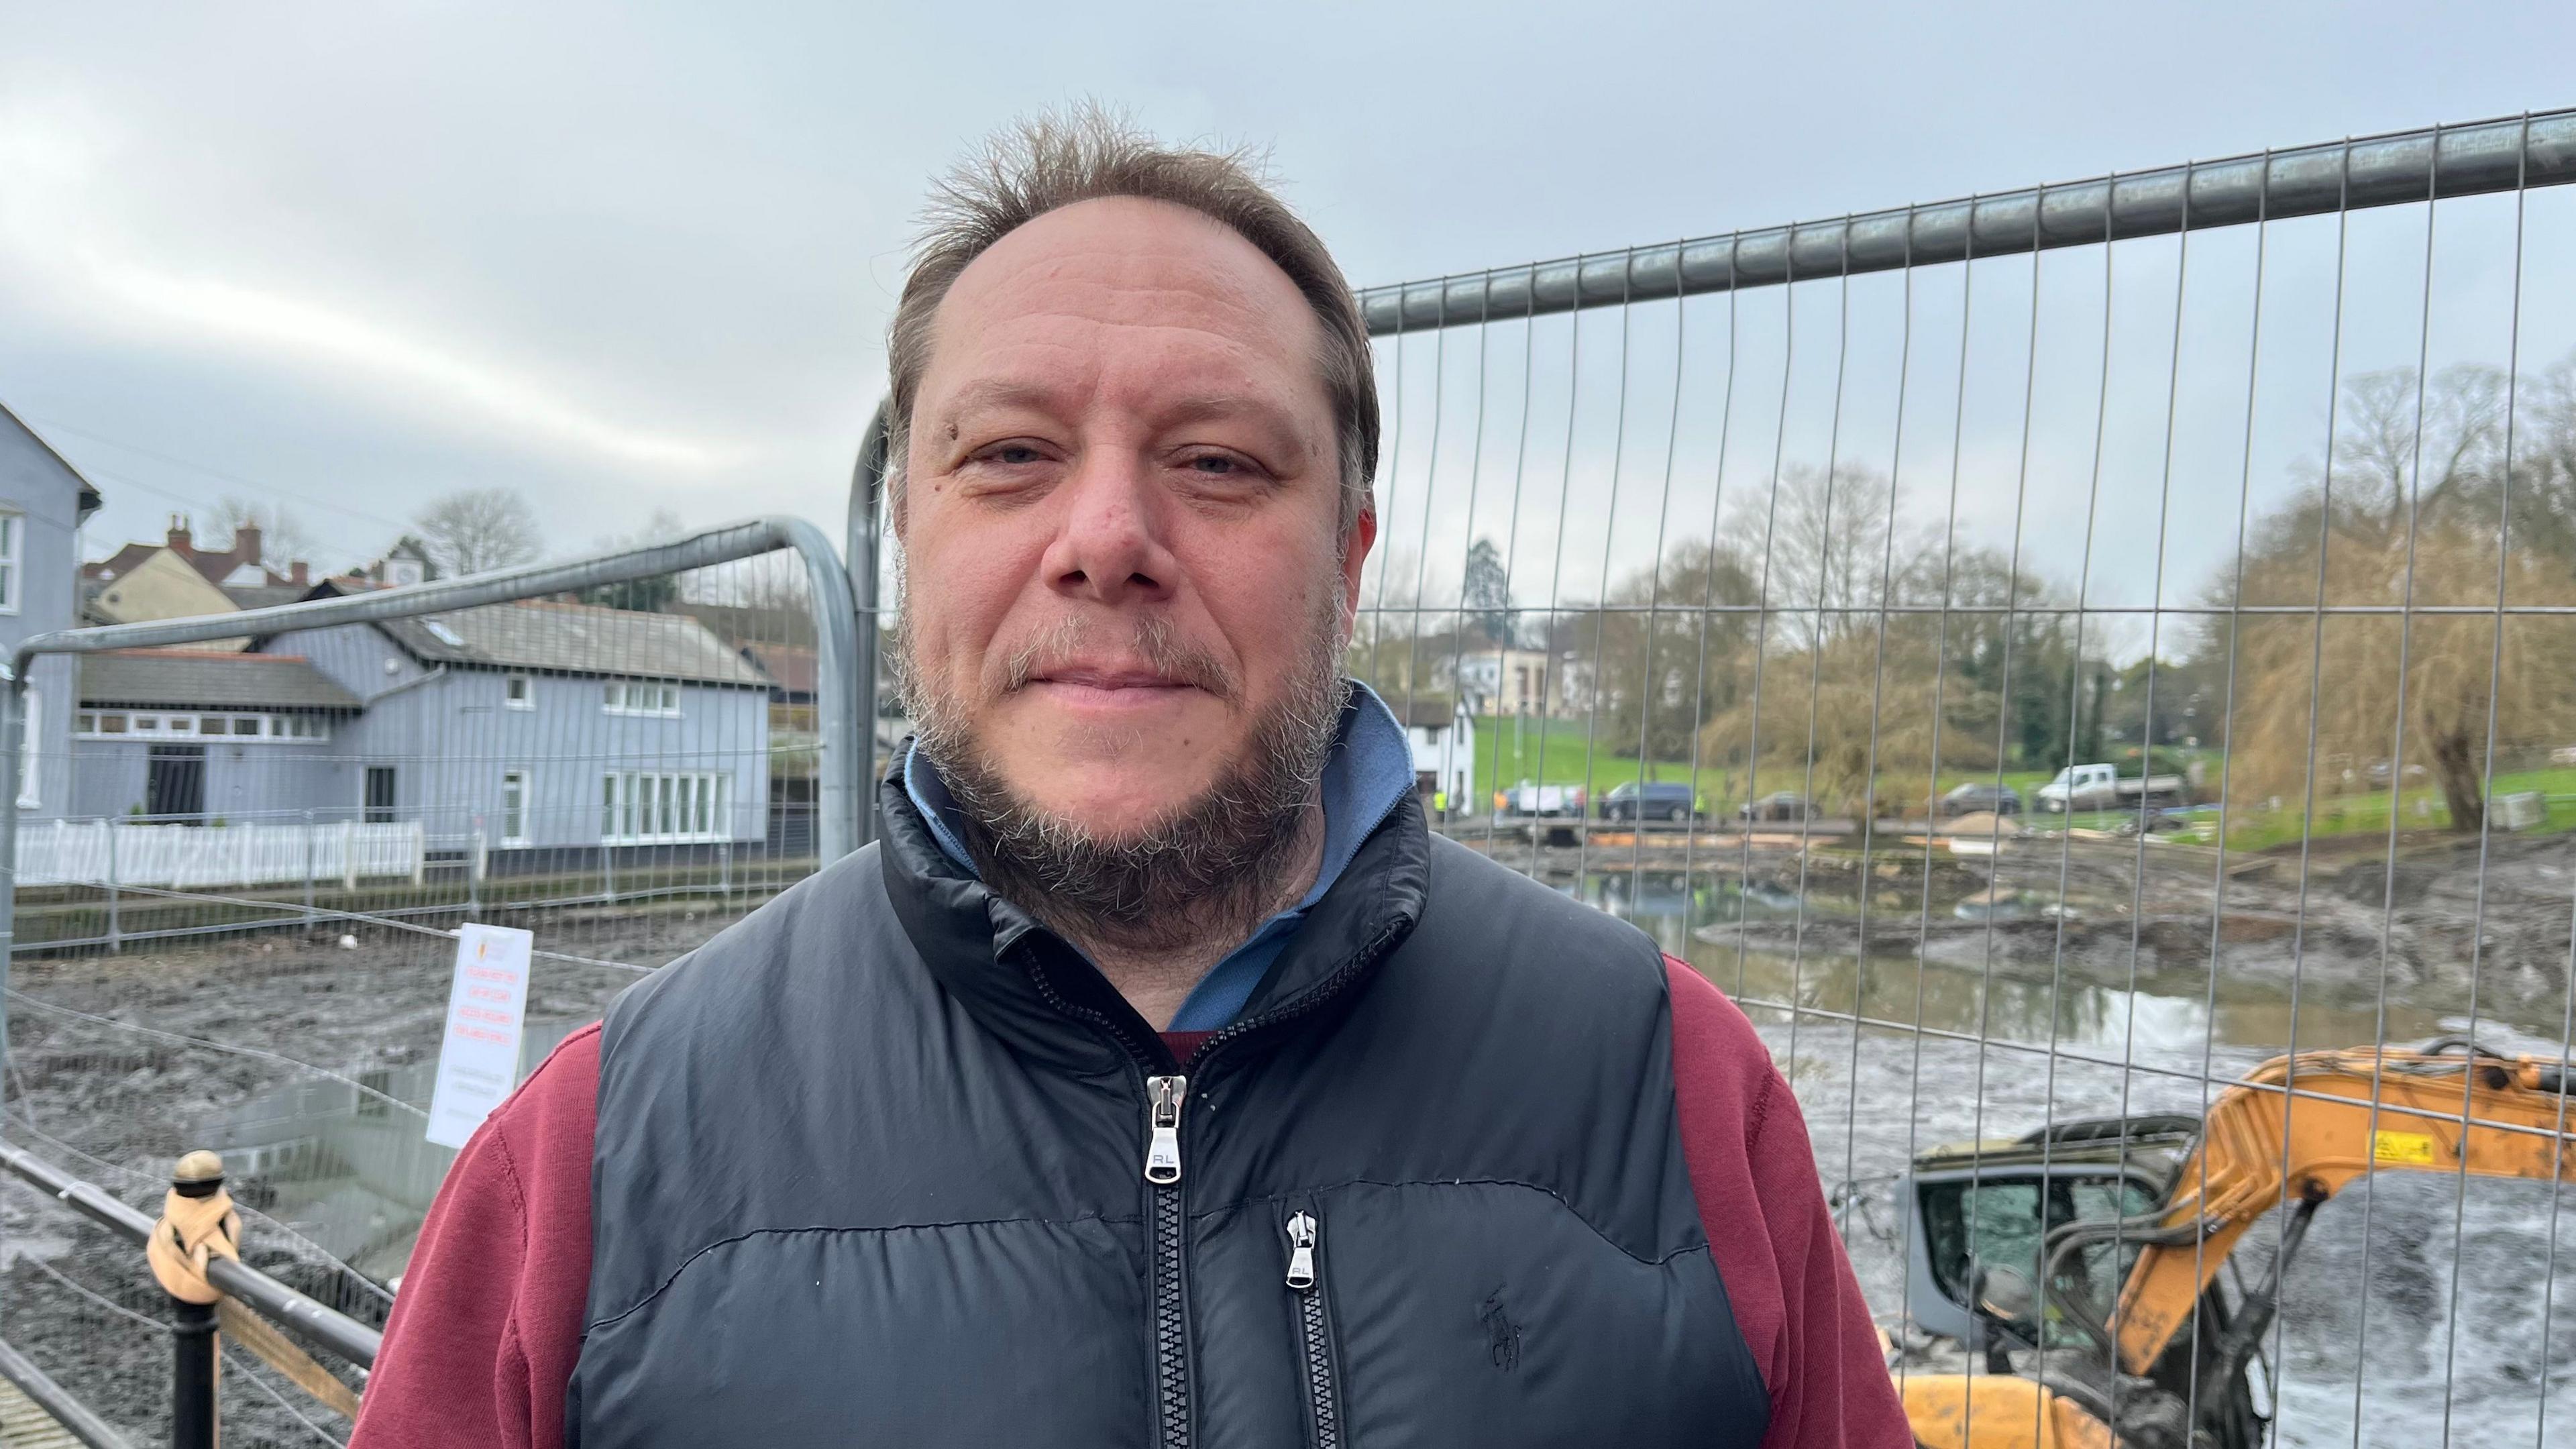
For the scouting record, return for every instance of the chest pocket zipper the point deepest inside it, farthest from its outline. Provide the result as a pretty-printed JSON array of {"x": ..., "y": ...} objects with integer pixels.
[{"x": 1315, "y": 1344}]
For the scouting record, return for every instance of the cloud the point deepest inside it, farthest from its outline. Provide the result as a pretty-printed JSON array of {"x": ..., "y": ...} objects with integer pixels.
[{"x": 71, "y": 249}]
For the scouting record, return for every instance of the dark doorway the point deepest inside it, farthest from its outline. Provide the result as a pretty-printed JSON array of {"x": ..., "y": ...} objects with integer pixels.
[
  {"x": 174, "y": 787},
  {"x": 380, "y": 794}
]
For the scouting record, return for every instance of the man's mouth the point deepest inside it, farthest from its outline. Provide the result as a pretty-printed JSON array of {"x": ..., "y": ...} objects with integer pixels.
[{"x": 1107, "y": 678}]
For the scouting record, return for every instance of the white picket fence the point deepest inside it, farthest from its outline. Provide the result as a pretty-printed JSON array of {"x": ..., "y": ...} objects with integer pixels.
[{"x": 197, "y": 857}]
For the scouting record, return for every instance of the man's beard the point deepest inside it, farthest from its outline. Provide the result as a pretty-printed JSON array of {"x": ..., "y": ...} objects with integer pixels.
[{"x": 1206, "y": 872}]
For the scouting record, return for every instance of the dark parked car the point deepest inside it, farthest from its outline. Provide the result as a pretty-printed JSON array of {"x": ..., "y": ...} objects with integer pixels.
[
  {"x": 1978, "y": 795},
  {"x": 1663, "y": 800},
  {"x": 1779, "y": 805}
]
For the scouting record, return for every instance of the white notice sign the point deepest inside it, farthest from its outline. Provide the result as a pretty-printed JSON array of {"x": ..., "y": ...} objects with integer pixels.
[{"x": 478, "y": 1062}]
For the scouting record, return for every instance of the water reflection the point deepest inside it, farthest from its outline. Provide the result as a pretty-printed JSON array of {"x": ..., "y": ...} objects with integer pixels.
[
  {"x": 2164, "y": 1011},
  {"x": 347, "y": 1168}
]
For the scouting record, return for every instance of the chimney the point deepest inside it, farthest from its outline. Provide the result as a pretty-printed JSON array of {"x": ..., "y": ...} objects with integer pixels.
[
  {"x": 180, "y": 542},
  {"x": 295, "y": 574},
  {"x": 246, "y": 543}
]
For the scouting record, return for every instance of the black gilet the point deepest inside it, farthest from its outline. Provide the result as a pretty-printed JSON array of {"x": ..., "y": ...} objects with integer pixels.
[{"x": 888, "y": 1163}]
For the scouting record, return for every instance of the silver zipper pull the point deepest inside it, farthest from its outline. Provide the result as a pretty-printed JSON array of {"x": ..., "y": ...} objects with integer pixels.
[
  {"x": 1163, "y": 1114},
  {"x": 1301, "y": 1251}
]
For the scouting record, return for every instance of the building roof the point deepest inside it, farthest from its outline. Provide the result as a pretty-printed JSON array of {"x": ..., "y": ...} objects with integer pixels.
[
  {"x": 263, "y": 596},
  {"x": 575, "y": 639},
  {"x": 196, "y": 679},
  {"x": 238, "y": 565},
  {"x": 789, "y": 666},
  {"x": 782, "y": 623},
  {"x": 1433, "y": 713},
  {"x": 89, "y": 500}
]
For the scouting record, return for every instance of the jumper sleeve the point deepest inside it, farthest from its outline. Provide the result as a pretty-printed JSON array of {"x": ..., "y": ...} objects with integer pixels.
[
  {"x": 1796, "y": 1304},
  {"x": 480, "y": 1348}
]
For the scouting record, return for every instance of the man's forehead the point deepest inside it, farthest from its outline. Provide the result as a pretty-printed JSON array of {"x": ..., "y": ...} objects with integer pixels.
[{"x": 1067, "y": 277}]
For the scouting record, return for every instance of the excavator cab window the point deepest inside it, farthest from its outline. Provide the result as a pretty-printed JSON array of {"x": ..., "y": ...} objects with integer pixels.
[{"x": 1994, "y": 1220}]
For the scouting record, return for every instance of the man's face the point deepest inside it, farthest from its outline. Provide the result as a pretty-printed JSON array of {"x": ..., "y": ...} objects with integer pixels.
[{"x": 1121, "y": 509}]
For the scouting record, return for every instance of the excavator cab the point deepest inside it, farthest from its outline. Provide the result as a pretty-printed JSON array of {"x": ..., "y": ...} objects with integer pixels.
[{"x": 1981, "y": 1214}]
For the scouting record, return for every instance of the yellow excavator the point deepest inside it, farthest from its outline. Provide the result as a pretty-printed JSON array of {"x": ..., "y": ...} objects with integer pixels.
[{"x": 2080, "y": 1267}]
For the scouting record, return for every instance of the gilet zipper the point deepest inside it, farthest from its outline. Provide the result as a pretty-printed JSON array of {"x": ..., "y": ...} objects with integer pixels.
[
  {"x": 1170, "y": 1238},
  {"x": 1315, "y": 1344},
  {"x": 1163, "y": 1098}
]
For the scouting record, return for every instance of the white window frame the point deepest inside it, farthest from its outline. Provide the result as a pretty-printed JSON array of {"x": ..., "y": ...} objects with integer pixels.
[
  {"x": 665, "y": 807},
  {"x": 524, "y": 780},
  {"x": 518, "y": 691},
  {"x": 619, "y": 696},
  {"x": 190, "y": 724},
  {"x": 13, "y": 550}
]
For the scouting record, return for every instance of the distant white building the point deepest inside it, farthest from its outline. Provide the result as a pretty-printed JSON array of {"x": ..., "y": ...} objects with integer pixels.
[
  {"x": 1505, "y": 682},
  {"x": 1443, "y": 737}
]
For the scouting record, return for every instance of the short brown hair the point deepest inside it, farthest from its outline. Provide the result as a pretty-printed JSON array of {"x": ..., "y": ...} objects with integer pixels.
[{"x": 1049, "y": 161}]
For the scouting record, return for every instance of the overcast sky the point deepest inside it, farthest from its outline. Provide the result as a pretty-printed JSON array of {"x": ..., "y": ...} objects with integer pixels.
[{"x": 631, "y": 257}]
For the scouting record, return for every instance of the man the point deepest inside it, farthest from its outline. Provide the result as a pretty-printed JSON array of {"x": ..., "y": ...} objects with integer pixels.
[{"x": 1159, "y": 1079}]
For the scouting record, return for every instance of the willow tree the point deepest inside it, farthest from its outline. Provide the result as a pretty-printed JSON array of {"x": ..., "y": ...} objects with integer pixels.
[{"x": 2404, "y": 553}]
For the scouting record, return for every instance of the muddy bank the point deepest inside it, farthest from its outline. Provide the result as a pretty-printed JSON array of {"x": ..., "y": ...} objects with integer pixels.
[
  {"x": 116, "y": 1100},
  {"x": 2105, "y": 909}
]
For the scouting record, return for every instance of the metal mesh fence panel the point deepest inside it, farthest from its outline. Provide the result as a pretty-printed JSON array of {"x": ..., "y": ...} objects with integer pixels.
[
  {"x": 2046, "y": 655},
  {"x": 236, "y": 930}
]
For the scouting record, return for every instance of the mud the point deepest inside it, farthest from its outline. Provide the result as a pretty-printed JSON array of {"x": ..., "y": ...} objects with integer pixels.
[
  {"x": 2498, "y": 918},
  {"x": 117, "y": 1106}
]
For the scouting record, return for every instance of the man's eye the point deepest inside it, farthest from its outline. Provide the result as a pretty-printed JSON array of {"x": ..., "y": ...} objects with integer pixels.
[
  {"x": 1216, "y": 465},
  {"x": 1014, "y": 453}
]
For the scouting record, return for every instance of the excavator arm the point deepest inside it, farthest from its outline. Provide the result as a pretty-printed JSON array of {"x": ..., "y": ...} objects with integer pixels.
[
  {"x": 2301, "y": 1127},
  {"x": 2295, "y": 1131}
]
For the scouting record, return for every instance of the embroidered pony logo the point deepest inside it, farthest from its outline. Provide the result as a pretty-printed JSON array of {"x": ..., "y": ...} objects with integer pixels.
[{"x": 1502, "y": 1336}]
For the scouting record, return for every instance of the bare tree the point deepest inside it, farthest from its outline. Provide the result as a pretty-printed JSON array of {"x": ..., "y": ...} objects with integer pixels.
[
  {"x": 2403, "y": 445},
  {"x": 474, "y": 529},
  {"x": 283, "y": 536},
  {"x": 1820, "y": 545}
]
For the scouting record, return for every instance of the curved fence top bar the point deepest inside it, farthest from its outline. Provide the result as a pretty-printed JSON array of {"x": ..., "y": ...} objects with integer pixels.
[{"x": 2466, "y": 160}]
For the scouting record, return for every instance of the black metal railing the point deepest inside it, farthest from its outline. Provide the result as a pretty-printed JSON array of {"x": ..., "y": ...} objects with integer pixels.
[{"x": 193, "y": 1383}]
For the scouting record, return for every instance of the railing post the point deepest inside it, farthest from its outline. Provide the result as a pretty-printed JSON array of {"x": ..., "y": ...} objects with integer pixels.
[
  {"x": 195, "y": 1411},
  {"x": 311, "y": 844}
]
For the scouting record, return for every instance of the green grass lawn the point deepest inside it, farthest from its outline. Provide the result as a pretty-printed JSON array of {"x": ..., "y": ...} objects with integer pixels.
[
  {"x": 1510, "y": 751},
  {"x": 2367, "y": 813}
]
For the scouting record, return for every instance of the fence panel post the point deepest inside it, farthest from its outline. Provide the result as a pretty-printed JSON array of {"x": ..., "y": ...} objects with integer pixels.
[
  {"x": 860, "y": 555},
  {"x": 114, "y": 931}
]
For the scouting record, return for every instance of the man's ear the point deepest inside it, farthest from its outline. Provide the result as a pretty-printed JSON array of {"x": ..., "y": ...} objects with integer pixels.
[{"x": 1355, "y": 552}]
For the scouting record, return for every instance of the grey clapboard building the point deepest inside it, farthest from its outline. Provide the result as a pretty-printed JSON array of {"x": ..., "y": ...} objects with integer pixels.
[
  {"x": 531, "y": 728},
  {"x": 547, "y": 726},
  {"x": 203, "y": 736},
  {"x": 43, "y": 503}
]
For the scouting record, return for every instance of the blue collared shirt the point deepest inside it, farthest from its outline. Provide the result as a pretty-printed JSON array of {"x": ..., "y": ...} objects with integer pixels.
[{"x": 1365, "y": 778}]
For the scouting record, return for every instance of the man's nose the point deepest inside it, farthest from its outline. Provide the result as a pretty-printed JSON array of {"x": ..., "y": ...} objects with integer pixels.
[{"x": 1109, "y": 547}]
